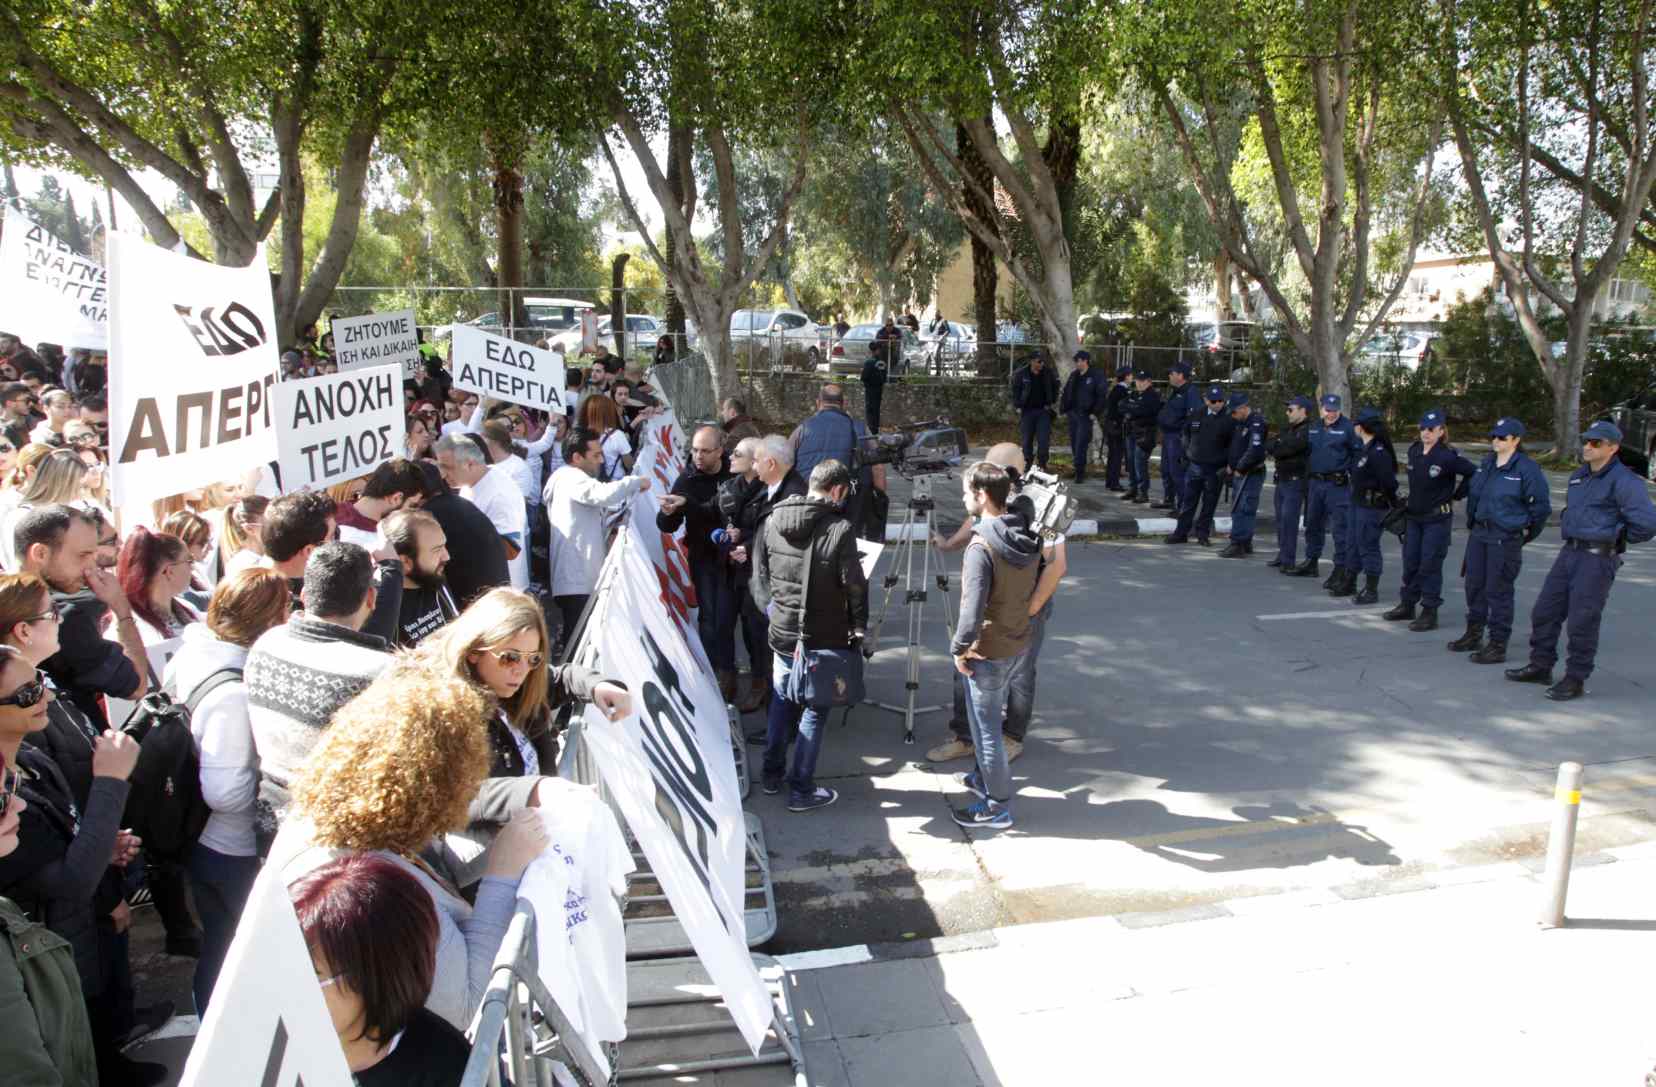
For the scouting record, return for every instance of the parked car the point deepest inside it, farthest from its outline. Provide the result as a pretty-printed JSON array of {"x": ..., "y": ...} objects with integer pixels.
[
  {"x": 1636, "y": 417},
  {"x": 1384, "y": 350},
  {"x": 776, "y": 338},
  {"x": 952, "y": 349},
  {"x": 543, "y": 314},
  {"x": 642, "y": 330},
  {"x": 846, "y": 357}
]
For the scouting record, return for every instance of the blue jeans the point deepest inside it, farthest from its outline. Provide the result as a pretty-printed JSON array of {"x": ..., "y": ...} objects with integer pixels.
[
  {"x": 1425, "y": 546},
  {"x": 1329, "y": 506},
  {"x": 784, "y": 720},
  {"x": 1020, "y": 687},
  {"x": 1288, "y": 500},
  {"x": 1035, "y": 427},
  {"x": 220, "y": 884},
  {"x": 1245, "y": 506},
  {"x": 1575, "y": 592},
  {"x": 1493, "y": 559},
  {"x": 716, "y": 614},
  {"x": 986, "y": 690},
  {"x": 1174, "y": 466},
  {"x": 1138, "y": 468}
]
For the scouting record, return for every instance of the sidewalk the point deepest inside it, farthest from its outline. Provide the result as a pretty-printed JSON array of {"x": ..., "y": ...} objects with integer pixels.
[{"x": 1454, "y": 984}]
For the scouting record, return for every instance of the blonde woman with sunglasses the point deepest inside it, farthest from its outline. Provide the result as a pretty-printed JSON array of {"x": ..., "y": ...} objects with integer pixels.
[{"x": 500, "y": 644}]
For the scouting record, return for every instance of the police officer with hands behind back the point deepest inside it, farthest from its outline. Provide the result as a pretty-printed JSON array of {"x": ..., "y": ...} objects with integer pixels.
[
  {"x": 1207, "y": 446},
  {"x": 1291, "y": 449},
  {"x": 1142, "y": 406},
  {"x": 1606, "y": 507},
  {"x": 1333, "y": 448},
  {"x": 1438, "y": 475},
  {"x": 1082, "y": 396},
  {"x": 1246, "y": 464},
  {"x": 1373, "y": 489},
  {"x": 1176, "y": 409},
  {"x": 1506, "y": 507}
]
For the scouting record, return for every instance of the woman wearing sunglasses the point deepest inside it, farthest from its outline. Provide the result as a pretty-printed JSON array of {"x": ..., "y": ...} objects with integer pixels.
[
  {"x": 51, "y": 1040},
  {"x": 67, "y": 873},
  {"x": 500, "y": 644},
  {"x": 154, "y": 569}
]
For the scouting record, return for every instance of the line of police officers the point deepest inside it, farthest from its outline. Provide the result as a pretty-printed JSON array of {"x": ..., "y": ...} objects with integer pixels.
[{"x": 1342, "y": 475}]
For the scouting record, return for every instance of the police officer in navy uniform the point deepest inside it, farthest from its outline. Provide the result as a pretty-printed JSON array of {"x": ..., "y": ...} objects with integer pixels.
[
  {"x": 1332, "y": 445},
  {"x": 1606, "y": 507},
  {"x": 1115, "y": 429},
  {"x": 1373, "y": 491},
  {"x": 1141, "y": 408},
  {"x": 876, "y": 368},
  {"x": 1290, "y": 449},
  {"x": 1035, "y": 398},
  {"x": 1176, "y": 409},
  {"x": 1081, "y": 397},
  {"x": 1506, "y": 507},
  {"x": 1247, "y": 470},
  {"x": 1207, "y": 446},
  {"x": 1438, "y": 475}
]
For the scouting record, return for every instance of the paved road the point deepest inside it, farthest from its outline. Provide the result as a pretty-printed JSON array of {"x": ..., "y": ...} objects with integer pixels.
[{"x": 1207, "y": 729}]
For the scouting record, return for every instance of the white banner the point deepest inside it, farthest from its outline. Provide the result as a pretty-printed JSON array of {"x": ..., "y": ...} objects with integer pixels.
[
  {"x": 378, "y": 339},
  {"x": 661, "y": 457},
  {"x": 338, "y": 426},
  {"x": 269, "y": 1023},
  {"x": 670, "y": 769},
  {"x": 494, "y": 366},
  {"x": 191, "y": 364},
  {"x": 48, "y": 292}
]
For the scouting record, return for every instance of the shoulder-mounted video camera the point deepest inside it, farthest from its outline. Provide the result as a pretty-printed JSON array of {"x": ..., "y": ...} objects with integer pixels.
[{"x": 915, "y": 449}]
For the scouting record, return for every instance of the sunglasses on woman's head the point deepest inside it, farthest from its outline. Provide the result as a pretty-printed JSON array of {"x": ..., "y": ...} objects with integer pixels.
[{"x": 29, "y": 694}]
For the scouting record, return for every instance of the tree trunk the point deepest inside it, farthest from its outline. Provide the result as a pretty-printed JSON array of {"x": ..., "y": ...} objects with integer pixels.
[
  {"x": 508, "y": 205},
  {"x": 985, "y": 276},
  {"x": 290, "y": 182},
  {"x": 1223, "y": 309},
  {"x": 618, "y": 303},
  {"x": 676, "y": 168},
  {"x": 1566, "y": 378},
  {"x": 350, "y": 179}
]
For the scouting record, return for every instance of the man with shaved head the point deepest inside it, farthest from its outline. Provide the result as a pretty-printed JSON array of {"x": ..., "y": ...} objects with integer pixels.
[
  {"x": 694, "y": 503},
  {"x": 1020, "y": 681}
]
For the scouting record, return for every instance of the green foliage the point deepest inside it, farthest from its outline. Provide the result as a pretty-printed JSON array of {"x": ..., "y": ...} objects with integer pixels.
[{"x": 53, "y": 208}]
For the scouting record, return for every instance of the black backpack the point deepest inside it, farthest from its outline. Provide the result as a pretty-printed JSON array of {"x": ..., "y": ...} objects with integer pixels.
[{"x": 164, "y": 803}]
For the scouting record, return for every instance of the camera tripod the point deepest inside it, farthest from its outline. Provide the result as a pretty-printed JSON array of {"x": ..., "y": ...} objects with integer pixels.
[{"x": 919, "y": 512}]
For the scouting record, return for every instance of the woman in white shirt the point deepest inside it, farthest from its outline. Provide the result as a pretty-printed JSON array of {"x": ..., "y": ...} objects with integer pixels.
[
  {"x": 600, "y": 415},
  {"x": 224, "y": 862}
]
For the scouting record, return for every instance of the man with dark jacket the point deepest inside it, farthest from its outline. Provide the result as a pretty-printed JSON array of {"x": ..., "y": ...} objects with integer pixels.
[
  {"x": 1081, "y": 397},
  {"x": 998, "y": 576},
  {"x": 1035, "y": 398},
  {"x": 1246, "y": 465},
  {"x": 808, "y": 578},
  {"x": 1140, "y": 409},
  {"x": 831, "y": 434},
  {"x": 1290, "y": 449},
  {"x": 874, "y": 372},
  {"x": 476, "y": 562},
  {"x": 1177, "y": 408},
  {"x": 737, "y": 423},
  {"x": 773, "y": 482},
  {"x": 694, "y": 503},
  {"x": 1115, "y": 429},
  {"x": 1207, "y": 447}
]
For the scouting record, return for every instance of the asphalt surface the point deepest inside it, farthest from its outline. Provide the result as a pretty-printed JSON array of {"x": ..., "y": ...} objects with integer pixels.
[{"x": 1207, "y": 729}]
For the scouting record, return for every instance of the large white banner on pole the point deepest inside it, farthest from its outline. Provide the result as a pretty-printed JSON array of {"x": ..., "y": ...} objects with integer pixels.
[
  {"x": 670, "y": 770},
  {"x": 269, "y": 1023},
  {"x": 48, "y": 292},
  {"x": 191, "y": 364},
  {"x": 661, "y": 457},
  {"x": 494, "y": 366},
  {"x": 376, "y": 340},
  {"x": 337, "y": 426}
]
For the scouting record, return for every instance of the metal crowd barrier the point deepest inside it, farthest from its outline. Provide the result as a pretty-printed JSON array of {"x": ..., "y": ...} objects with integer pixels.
[{"x": 518, "y": 1015}]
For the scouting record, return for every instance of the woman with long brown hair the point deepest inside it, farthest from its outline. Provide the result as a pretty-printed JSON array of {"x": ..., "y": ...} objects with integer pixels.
[
  {"x": 600, "y": 415},
  {"x": 59, "y": 477},
  {"x": 500, "y": 643}
]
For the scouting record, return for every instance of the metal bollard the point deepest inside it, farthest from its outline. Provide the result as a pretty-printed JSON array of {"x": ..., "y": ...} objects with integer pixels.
[{"x": 1561, "y": 842}]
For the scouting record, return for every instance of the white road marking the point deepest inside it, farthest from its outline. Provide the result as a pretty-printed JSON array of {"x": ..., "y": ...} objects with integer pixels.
[{"x": 1347, "y": 613}]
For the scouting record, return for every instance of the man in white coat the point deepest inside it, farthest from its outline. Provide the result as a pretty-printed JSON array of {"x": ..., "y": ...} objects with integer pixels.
[{"x": 575, "y": 502}]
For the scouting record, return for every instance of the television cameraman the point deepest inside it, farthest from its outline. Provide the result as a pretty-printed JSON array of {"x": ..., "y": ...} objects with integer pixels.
[{"x": 1054, "y": 561}]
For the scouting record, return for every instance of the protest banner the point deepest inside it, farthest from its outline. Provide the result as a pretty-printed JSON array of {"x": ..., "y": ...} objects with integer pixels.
[
  {"x": 192, "y": 360},
  {"x": 661, "y": 456},
  {"x": 268, "y": 1023},
  {"x": 494, "y": 366},
  {"x": 670, "y": 769},
  {"x": 337, "y": 426},
  {"x": 377, "y": 339},
  {"x": 48, "y": 292}
]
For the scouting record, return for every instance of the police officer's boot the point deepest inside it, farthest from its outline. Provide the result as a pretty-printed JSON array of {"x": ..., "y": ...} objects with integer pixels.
[
  {"x": 1470, "y": 641},
  {"x": 1404, "y": 610},
  {"x": 1427, "y": 620},
  {"x": 1308, "y": 568},
  {"x": 1335, "y": 576},
  {"x": 1234, "y": 550},
  {"x": 1346, "y": 583},
  {"x": 1493, "y": 652},
  {"x": 1370, "y": 593}
]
